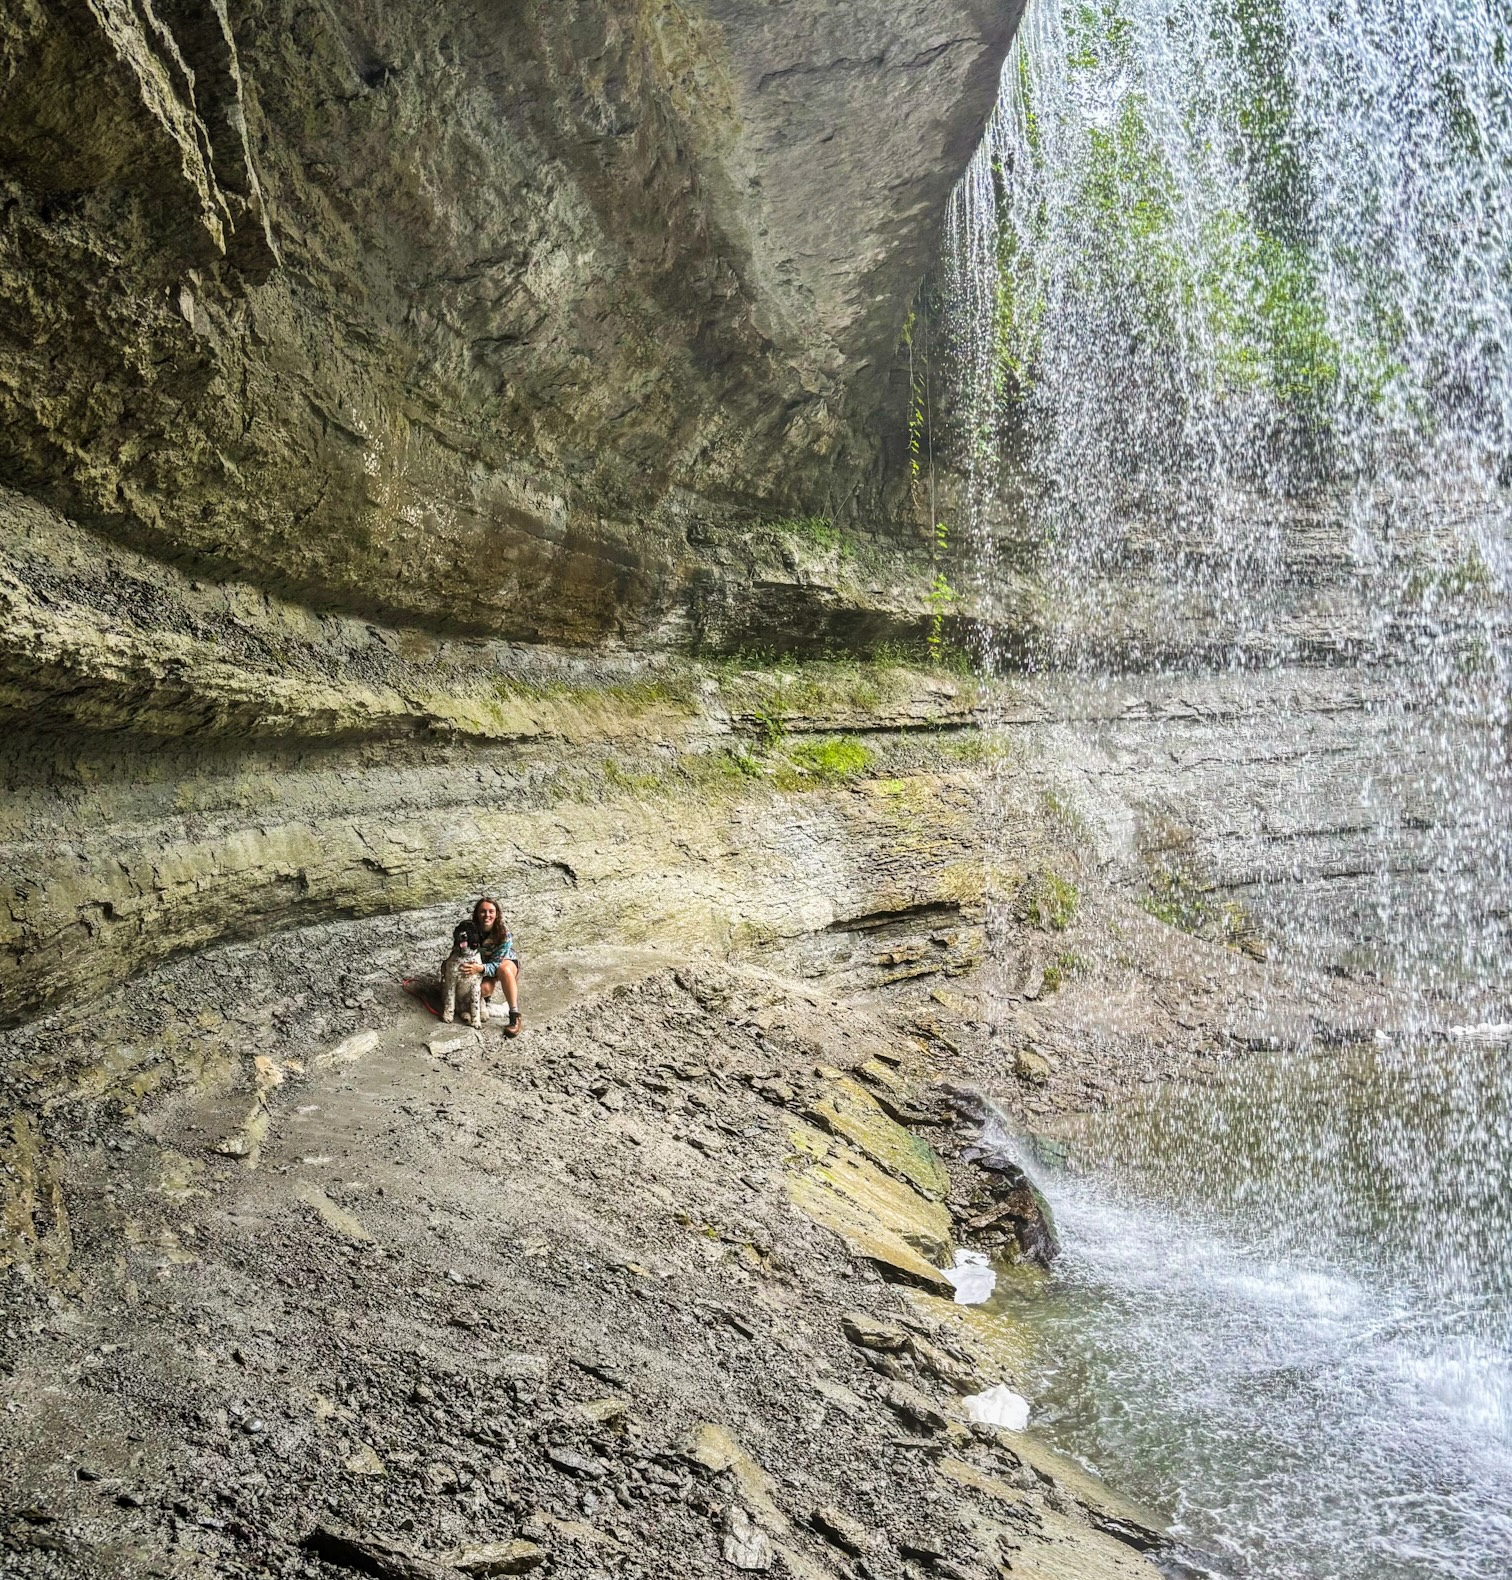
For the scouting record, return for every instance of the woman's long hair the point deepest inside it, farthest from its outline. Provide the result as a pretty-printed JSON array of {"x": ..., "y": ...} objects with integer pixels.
[{"x": 495, "y": 934}]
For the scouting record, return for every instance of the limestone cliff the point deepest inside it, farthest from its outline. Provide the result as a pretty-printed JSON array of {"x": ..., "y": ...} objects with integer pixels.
[
  {"x": 359, "y": 362},
  {"x": 491, "y": 318}
]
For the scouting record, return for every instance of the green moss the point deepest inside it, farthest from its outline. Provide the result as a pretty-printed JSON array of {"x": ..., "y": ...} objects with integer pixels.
[
  {"x": 1098, "y": 36},
  {"x": 1260, "y": 300},
  {"x": 676, "y": 688},
  {"x": 1178, "y": 898},
  {"x": 1061, "y": 970},
  {"x": 639, "y": 784},
  {"x": 813, "y": 532},
  {"x": 701, "y": 773},
  {"x": 1275, "y": 158},
  {"x": 672, "y": 688},
  {"x": 1477, "y": 659},
  {"x": 1048, "y": 901},
  {"x": 971, "y": 748},
  {"x": 1247, "y": 288},
  {"x": 829, "y": 760},
  {"x": 773, "y": 695},
  {"x": 1466, "y": 579}
]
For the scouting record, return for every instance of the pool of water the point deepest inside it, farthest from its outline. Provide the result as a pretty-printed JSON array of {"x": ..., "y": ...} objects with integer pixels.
[{"x": 1283, "y": 1314}]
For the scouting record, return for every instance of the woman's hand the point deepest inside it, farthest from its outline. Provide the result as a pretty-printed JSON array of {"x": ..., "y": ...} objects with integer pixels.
[{"x": 472, "y": 969}]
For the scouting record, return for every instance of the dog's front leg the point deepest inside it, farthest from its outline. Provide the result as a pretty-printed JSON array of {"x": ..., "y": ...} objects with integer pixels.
[{"x": 449, "y": 977}]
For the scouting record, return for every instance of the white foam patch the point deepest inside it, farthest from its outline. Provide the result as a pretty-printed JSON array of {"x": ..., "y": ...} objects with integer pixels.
[
  {"x": 999, "y": 1406},
  {"x": 972, "y": 1277}
]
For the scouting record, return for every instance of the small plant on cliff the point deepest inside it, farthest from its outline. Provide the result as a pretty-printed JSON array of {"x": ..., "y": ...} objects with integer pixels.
[
  {"x": 1468, "y": 578},
  {"x": 1061, "y": 970},
  {"x": 771, "y": 725},
  {"x": 1180, "y": 899},
  {"x": 941, "y": 594}
]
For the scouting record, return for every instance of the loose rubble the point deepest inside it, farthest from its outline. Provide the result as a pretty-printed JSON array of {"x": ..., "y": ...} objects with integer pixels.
[{"x": 637, "y": 1295}]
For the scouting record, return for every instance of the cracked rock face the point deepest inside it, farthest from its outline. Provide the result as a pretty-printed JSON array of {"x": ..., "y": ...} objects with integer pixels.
[{"x": 491, "y": 318}]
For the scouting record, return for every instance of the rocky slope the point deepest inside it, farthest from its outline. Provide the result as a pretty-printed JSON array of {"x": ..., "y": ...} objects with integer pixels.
[{"x": 299, "y": 1282}]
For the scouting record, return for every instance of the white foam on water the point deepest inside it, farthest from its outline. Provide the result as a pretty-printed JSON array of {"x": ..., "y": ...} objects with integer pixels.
[
  {"x": 1315, "y": 1422},
  {"x": 972, "y": 1277},
  {"x": 999, "y": 1406}
]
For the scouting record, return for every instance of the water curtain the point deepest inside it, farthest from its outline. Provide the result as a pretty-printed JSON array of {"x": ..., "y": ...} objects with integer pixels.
[{"x": 1231, "y": 284}]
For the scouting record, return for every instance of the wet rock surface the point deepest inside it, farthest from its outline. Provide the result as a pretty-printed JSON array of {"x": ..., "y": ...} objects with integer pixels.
[{"x": 604, "y": 796}]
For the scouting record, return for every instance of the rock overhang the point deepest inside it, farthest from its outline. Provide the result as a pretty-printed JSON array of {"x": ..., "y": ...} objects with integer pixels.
[{"x": 479, "y": 318}]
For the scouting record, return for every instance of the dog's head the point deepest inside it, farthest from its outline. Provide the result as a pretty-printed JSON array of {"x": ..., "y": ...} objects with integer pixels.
[{"x": 465, "y": 939}]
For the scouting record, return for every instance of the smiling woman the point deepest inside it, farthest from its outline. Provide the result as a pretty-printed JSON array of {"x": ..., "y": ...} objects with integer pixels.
[{"x": 500, "y": 965}]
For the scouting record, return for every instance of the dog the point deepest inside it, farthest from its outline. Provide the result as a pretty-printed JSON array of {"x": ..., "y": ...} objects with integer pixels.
[{"x": 455, "y": 983}]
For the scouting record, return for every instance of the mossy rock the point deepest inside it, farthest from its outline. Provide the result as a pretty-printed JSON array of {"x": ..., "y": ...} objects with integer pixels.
[
  {"x": 880, "y": 1217},
  {"x": 1047, "y": 901},
  {"x": 847, "y": 1109}
]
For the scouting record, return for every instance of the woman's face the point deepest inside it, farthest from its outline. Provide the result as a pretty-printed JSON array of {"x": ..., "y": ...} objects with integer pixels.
[{"x": 487, "y": 915}]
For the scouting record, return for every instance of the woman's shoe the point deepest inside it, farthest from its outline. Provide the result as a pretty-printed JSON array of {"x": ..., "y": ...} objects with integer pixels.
[{"x": 513, "y": 1028}]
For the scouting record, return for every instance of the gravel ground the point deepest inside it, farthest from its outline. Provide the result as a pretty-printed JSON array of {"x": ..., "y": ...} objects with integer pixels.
[{"x": 342, "y": 1290}]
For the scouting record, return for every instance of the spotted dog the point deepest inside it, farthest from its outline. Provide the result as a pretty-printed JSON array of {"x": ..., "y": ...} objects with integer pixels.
[{"x": 457, "y": 984}]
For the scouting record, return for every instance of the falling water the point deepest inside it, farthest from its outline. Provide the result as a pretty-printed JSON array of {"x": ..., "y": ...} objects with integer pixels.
[
  {"x": 1234, "y": 286},
  {"x": 1230, "y": 288}
]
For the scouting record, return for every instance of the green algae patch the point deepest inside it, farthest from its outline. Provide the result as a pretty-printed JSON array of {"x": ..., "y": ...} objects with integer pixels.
[
  {"x": 840, "y": 692},
  {"x": 814, "y": 764},
  {"x": 1090, "y": 1490},
  {"x": 512, "y": 709},
  {"x": 879, "y": 1216},
  {"x": 848, "y": 1110},
  {"x": 883, "y": 1075},
  {"x": 1048, "y": 902}
]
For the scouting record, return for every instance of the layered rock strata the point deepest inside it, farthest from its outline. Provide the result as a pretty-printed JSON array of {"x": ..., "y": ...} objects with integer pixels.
[
  {"x": 213, "y": 764},
  {"x": 1283, "y": 731},
  {"x": 647, "y": 1295}
]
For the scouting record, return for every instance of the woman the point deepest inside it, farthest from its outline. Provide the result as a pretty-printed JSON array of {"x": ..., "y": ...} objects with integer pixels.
[{"x": 500, "y": 962}]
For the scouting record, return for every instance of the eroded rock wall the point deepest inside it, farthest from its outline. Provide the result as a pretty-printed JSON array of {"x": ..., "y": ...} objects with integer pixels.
[
  {"x": 1300, "y": 748},
  {"x": 489, "y": 318},
  {"x": 377, "y": 381},
  {"x": 222, "y": 765}
]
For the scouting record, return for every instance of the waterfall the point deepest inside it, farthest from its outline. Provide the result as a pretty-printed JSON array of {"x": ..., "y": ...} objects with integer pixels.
[
  {"x": 1235, "y": 284},
  {"x": 1229, "y": 287}
]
